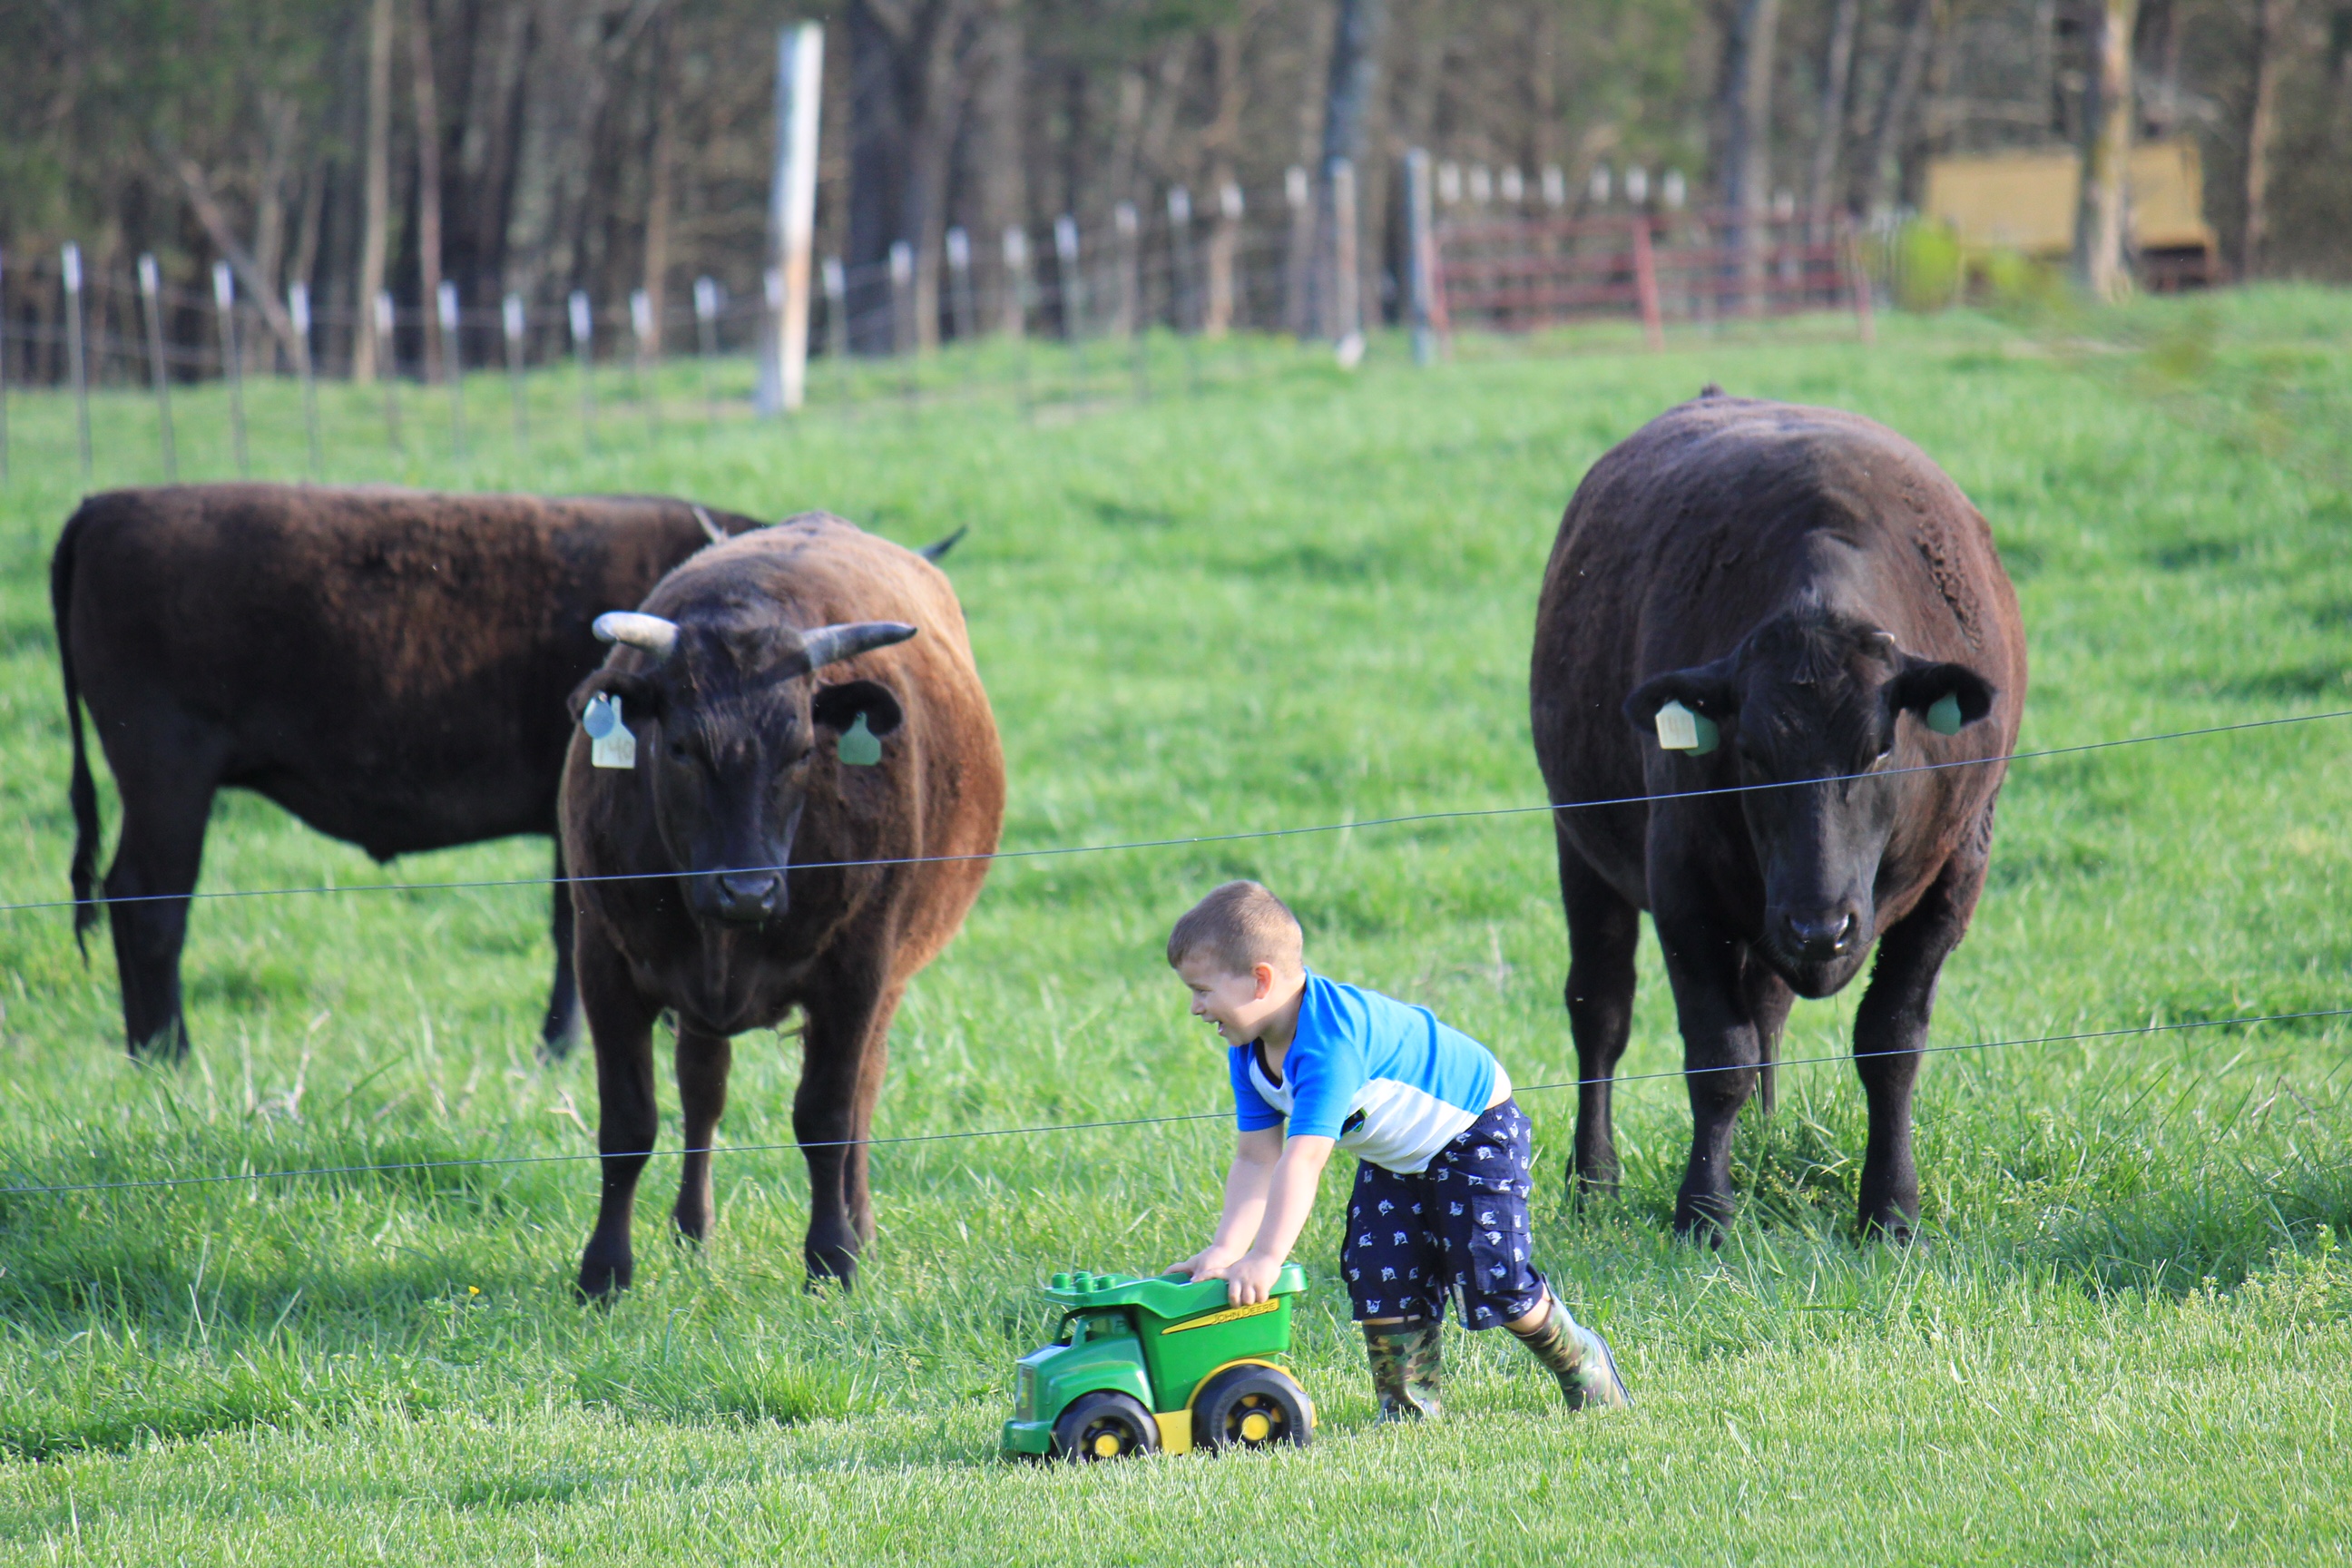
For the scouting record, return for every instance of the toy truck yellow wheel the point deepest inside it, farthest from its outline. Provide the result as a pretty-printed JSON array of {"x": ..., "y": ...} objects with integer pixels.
[
  {"x": 1104, "y": 1425},
  {"x": 1252, "y": 1407}
]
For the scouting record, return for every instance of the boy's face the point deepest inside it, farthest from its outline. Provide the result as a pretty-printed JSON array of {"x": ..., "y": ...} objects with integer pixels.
[{"x": 1238, "y": 1004}]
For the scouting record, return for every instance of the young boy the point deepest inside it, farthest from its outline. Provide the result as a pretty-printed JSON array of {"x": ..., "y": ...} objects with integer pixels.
[{"x": 1440, "y": 1199}]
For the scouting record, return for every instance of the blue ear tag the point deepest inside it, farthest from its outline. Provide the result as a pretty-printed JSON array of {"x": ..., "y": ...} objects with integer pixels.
[
  {"x": 858, "y": 746},
  {"x": 1943, "y": 714},
  {"x": 1682, "y": 730}
]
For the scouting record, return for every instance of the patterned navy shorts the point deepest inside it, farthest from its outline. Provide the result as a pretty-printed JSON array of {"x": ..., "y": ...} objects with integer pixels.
[{"x": 1458, "y": 1228}]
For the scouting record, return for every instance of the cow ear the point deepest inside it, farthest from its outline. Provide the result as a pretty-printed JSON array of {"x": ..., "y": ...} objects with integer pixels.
[
  {"x": 640, "y": 696},
  {"x": 1707, "y": 689},
  {"x": 837, "y": 707},
  {"x": 1947, "y": 698}
]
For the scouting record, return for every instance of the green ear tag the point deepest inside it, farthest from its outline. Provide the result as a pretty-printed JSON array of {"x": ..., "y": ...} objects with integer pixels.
[
  {"x": 1943, "y": 714},
  {"x": 858, "y": 745},
  {"x": 1681, "y": 729}
]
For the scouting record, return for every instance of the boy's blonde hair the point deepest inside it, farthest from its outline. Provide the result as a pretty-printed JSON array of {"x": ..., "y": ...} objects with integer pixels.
[{"x": 1241, "y": 925}]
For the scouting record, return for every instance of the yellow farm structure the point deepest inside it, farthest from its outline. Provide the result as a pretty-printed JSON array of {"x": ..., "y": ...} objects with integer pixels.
[{"x": 2027, "y": 203}]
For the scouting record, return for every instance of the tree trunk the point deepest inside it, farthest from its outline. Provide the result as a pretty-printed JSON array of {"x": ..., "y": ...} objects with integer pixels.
[
  {"x": 1901, "y": 89},
  {"x": 661, "y": 157},
  {"x": 428, "y": 190},
  {"x": 1000, "y": 154},
  {"x": 1747, "y": 136},
  {"x": 2271, "y": 18},
  {"x": 377, "y": 193},
  {"x": 1348, "y": 103},
  {"x": 2099, "y": 229},
  {"x": 1837, "y": 73}
]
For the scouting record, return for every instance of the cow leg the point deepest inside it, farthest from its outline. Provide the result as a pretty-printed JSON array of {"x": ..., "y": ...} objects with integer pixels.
[
  {"x": 1889, "y": 1028},
  {"x": 167, "y": 799},
  {"x": 844, "y": 1047},
  {"x": 1602, "y": 932},
  {"x": 560, "y": 1028},
  {"x": 621, "y": 1026},
  {"x": 703, "y": 1059},
  {"x": 1721, "y": 1048}
]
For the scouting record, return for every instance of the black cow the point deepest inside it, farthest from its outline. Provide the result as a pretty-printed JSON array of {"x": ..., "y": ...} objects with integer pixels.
[
  {"x": 390, "y": 666},
  {"x": 812, "y": 792},
  {"x": 1827, "y": 610}
]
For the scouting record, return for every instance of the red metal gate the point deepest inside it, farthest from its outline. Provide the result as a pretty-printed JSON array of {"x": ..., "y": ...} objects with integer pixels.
[{"x": 1521, "y": 274}]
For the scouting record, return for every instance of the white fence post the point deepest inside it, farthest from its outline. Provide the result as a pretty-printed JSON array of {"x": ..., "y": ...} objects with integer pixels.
[{"x": 151, "y": 288}]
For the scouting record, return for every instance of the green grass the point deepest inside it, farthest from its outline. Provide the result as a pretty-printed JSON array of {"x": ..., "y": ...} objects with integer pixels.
[{"x": 1295, "y": 597}]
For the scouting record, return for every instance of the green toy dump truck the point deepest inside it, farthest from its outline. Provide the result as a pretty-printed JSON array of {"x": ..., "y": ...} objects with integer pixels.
[{"x": 1145, "y": 1365}]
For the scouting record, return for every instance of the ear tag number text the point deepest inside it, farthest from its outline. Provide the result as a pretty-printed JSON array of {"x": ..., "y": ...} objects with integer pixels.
[
  {"x": 858, "y": 746},
  {"x": 1680, "y": 730},
  {"x": 610, "y": 743},
  {"x": 1943, "y": 714}
]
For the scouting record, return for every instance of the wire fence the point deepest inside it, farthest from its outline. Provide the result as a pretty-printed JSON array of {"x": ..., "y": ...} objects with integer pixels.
[{"x": 25, "y": 1188}]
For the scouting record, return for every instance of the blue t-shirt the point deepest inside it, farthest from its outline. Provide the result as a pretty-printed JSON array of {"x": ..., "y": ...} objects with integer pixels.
[{"x": 1384, "y": 1078}]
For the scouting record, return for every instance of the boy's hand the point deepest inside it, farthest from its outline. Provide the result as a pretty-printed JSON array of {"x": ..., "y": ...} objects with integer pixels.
[
  {"x": 1209, "y": 1263},
  {"x": 1249, "y": 1279}
]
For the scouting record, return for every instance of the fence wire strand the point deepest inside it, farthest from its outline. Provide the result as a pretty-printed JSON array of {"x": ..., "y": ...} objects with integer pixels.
[
  {"x": 483, "y": 1161},
  {"x": 1464, "y": 813}
]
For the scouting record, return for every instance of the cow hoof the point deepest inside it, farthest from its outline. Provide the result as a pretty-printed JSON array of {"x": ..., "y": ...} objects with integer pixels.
[
  {"x": 1586, "y": 1186},
  {"x": 830, "y": 1267},
  {"x": 691, "y": 1228},
  {"x": 602, "y": 1281},
  {"x": 1702, "y": 1224},
  {"x": 1895, "y": 1228}
]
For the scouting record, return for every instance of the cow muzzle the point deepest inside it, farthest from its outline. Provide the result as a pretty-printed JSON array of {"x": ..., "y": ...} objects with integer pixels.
[
  {"x": 747, "y": 897},
  {"x": 1817, "y": 936}
]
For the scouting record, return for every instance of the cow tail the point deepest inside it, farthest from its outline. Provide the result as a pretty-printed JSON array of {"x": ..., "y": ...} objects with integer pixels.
[{"x": 83, "y": 792}]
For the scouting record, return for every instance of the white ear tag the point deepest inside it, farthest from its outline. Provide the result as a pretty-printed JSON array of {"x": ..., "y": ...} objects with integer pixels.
[
  {"x": 1943, "y": 714},
  {"x": 1680, "y": 730},
  {"x": 858, "y": 746},
  {"x": 611, "y": 745}
]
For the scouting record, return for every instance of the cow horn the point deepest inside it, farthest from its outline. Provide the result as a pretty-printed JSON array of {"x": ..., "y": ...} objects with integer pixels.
[
  {"x": 831, "y": 645},
  {"x": 651, "y": 633}
]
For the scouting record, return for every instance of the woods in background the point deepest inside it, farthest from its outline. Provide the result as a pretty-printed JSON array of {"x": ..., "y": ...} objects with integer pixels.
[{"x": 538, "y": 147}]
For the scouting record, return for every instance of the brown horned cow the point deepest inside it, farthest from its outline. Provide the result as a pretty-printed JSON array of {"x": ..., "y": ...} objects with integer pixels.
[
  {"x": 813, "y": 789},
  {"x": 390, "y": 666},
  {"x": 1829, "y": 613}
]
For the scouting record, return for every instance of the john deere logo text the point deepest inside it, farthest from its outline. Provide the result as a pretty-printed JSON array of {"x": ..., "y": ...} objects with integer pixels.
[{"x": 1227, "y": 1316}]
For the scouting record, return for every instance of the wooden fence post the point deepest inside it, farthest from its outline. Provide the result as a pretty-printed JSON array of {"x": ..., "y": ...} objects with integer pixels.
[
  {"x": 150, "y": 288},
  {"x": 1182, "y": 306},
  {"x": 1347, "y": 279},
  {"x": 1014, "y": 307},
  {"x": 1858, "y": 280},
  {"x": 1645, "y": 284},
  {"x": 791, "y": 213},
  {"x": 69, "y": 262},
  {"x": 836, "y": 312},
  {"x": 232, "y": 364}
]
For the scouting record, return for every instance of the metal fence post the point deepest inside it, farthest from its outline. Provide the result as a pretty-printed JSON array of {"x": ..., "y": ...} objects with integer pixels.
[
  {"x": 1419, "y": 243},
  {"x": 69, "y": 261},
  {"x": 297, "y": 309},
  {"x": 453, "y": 363},
  {"x": 583, "y": 332},
  {"x": 511, "y": 318},
  {"x": 151, "y": 288},
  {"x": 962, "y": 308},
  {"x": 386, "y": 318},
  {"x": 706, "y": 335},
  {"x": 232, "y": 363},
  {"x": 641, "y": 330}
]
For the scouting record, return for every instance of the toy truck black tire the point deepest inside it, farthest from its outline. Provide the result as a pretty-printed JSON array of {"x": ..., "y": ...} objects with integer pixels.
[
  {"x": 1252, "y": 1407},
  {"x": 1104, "y": 1425}
]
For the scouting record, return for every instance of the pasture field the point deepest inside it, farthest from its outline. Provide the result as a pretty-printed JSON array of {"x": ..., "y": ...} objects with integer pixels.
[{"x": 1302, "y": 598}]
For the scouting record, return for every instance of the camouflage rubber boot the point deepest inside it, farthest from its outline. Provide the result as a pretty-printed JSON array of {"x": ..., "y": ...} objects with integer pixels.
[
  {"x": 1406, "y": 1374},
  {"x": 1580, "y": 1359}
]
